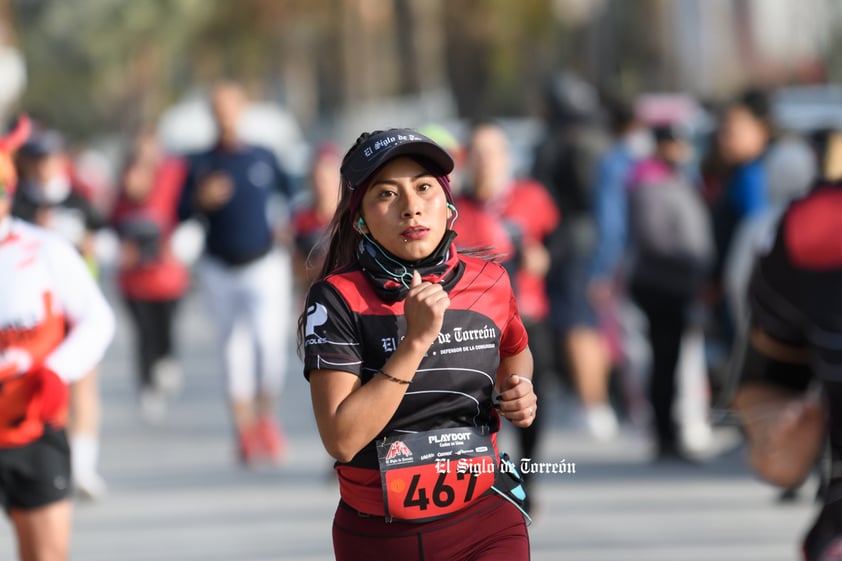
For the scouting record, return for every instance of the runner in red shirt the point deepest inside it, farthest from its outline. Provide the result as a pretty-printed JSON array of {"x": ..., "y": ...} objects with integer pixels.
[
  {"x": 310, "y": 222},
  {"x": 789, "y": 398},
  {"x": 150, "y": 278},
  {"x": 511, "y": 217},
  {"x": 405, "y": 343}
]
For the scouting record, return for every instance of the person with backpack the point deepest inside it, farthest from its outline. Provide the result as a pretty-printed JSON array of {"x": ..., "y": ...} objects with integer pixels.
[{"x": 671, "y": 252}]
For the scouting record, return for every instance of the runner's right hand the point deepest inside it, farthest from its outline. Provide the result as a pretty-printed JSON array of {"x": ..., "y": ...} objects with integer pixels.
[
  {"x": 424, "y": 309},
  {"x": 213, "y": 191}
]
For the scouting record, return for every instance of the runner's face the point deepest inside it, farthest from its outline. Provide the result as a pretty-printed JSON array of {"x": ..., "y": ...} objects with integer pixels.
[
  {"x": 742, "y": 136},
  {"x": 227, "y": 106},
  {"x": 489, "y": 162},
  {"x": 405, "y": 209}
]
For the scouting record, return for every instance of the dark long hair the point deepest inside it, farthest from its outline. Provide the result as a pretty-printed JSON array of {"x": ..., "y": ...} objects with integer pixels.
[{"x": 341, "y": 238}]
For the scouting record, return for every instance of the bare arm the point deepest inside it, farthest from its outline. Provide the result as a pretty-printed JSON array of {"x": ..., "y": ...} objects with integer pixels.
[
  {"x": 784, "y": 429},
  {"x": 349, "y": 414}
]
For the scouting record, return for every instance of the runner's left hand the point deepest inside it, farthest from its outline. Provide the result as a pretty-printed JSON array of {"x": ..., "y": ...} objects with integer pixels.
[{"x": 517, "y": 401}]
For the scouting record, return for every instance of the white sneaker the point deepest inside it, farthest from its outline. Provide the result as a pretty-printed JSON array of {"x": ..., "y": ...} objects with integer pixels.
[
  {"x": 84, "y": 453},
  {"x": 153, "y": 405},
  {"x": 166, "y": 374},
  {"x": 601, "y": 422},
  {"x": 697, "y": 437}
]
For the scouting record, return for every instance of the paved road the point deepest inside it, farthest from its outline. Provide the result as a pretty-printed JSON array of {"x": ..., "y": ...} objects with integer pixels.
[{"x": 177, "y": 495}]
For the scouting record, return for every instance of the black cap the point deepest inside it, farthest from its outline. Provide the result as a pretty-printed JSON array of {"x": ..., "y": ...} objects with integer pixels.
[
  {"x": 383, "y": 146},
  {"x": 571, "y": 100},
  {"x": 670, "y": 132},
  {"x": 43, "y": 143}
]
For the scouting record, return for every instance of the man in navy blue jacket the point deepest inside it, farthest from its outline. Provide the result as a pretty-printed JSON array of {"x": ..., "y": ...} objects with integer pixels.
[{"x": 245, "y": 275}]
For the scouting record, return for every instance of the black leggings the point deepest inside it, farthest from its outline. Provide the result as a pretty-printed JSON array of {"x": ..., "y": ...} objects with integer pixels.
[
  {"x": 667, "y": 315},
  {"x": 153, "y": 334}
]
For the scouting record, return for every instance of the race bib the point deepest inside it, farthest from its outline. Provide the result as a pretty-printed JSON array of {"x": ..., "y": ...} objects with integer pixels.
[{"x": 430, "y": 474}]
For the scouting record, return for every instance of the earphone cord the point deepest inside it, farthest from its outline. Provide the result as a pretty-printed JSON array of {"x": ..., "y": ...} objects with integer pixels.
[
  {"x": 455, "y": 215},
  {"x": 404, "y": 278}
]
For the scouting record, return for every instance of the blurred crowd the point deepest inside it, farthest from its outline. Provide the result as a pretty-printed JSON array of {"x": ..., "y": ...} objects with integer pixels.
[{"x": 629, "y": 233}]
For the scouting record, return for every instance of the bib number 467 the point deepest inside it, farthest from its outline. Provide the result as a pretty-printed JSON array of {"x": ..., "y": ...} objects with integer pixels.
[
  {"x": 443, "y": 494},
  {"x": 422, "y": 492}
]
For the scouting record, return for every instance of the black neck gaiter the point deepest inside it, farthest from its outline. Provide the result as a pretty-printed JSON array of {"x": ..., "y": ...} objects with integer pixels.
[{"x": 391, "y": 275}]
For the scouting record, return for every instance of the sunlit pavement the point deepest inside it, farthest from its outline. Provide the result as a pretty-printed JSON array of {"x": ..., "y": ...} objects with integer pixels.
[{"x": 177, "y": 494}]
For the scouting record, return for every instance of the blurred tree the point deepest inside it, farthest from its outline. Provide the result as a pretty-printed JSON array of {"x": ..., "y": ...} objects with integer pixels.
[
  {"x": 104, "y": 61},
  {"x": 99, "y": 65},
  {"x": 113, "y": 63},
  {"x": 497, "y": 53},
  {"x": 12, "y": 66}
]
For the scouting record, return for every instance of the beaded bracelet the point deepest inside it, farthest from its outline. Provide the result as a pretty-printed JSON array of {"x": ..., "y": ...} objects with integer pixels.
[{"x": 394, "y": 379}]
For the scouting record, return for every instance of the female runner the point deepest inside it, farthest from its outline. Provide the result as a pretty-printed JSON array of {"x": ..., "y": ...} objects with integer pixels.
[{"x": 413, "y": 351}]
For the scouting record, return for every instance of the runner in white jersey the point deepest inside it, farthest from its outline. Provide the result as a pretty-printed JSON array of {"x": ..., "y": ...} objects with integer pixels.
[
  {"x": 47, "y": 196},
  {"x": 55, "y": 325}
]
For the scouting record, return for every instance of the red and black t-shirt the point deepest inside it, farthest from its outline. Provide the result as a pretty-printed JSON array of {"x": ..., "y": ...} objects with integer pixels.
[
  {"x": 796, "y": 290},
  {"x": 351, "y": 328}
]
